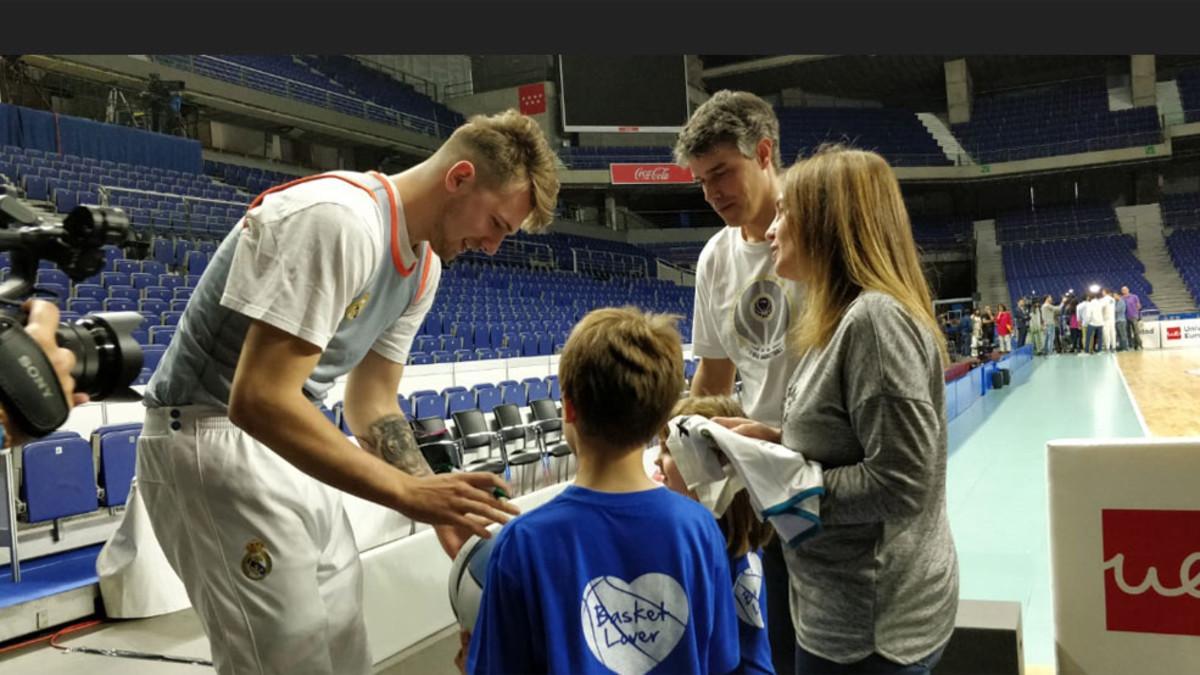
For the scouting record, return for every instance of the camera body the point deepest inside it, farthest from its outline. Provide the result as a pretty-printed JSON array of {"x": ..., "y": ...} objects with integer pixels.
[{"x": 107, "y": 358}]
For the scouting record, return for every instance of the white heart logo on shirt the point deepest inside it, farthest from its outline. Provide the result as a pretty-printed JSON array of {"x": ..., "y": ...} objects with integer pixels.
[
  {"x": 631, "y": 628},
  {"x": 746, "y": 591}
]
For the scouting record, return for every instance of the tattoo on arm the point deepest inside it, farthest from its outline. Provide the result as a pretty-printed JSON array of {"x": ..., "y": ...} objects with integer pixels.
[{"x": 391, "y": 439}]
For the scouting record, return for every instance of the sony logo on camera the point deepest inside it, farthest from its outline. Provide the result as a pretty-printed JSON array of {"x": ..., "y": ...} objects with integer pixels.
[{"x": 35, "y": 374}]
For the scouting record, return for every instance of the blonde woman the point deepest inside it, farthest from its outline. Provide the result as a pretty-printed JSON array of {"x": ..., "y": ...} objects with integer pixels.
[{"x": 876, "y": 590}]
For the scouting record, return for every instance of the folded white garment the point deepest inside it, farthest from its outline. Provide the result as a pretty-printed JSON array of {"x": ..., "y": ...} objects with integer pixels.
[{"x": 784, "y": 487}]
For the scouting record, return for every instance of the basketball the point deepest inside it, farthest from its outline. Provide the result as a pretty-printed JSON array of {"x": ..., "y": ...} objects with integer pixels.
[{"x": 466, "y": 579}]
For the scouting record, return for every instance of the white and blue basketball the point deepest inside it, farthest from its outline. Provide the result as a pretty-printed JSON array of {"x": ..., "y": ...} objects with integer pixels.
[{"x": 466, "y": 579}]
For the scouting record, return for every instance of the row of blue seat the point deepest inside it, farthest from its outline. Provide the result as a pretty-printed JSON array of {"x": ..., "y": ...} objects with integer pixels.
[{"x": 59, "y": 476}]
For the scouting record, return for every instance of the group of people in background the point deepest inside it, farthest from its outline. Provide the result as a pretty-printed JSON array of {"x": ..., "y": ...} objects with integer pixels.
[{"x": 1103, "y": 320}]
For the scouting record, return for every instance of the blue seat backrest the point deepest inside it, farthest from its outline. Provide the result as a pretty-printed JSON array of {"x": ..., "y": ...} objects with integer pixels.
[
  {"x": 118, "y": 460},
  {"x": 59, "y": 478}
]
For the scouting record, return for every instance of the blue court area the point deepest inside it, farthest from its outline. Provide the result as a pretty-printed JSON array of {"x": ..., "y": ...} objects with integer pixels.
[
  {"x": 996, "y": 482},
  {"x": 49, "y": 575}
]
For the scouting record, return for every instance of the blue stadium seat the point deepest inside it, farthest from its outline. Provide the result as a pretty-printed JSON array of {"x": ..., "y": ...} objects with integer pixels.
[
  {"x": 58, "y": 478},
  {"x": 545, "y": 343},
  {"x": 429, "y": 405},
  {"x": 52, "y": 276},
  {"x": 196, "y": 262},
  {"x": 109, "y": 279},
  {"x": 459, "y": 401},
  {"x": 125, "y": 292},
  {"x": 83, "y": 305},
  {"x": 152, "y": 306},
  {"x": 514, "y": 394},
  {"x": 487, "y": 399},
  {"x": 118, "y": 459},
  {"x": 529, "y": 344},
  {"x": 161, "y": 335},
  {"x": 91, "y": 291},
  {"x": 120, "y": 305},
  {"x": 157, "y": 293},
  {"x": 152, "y": 355},
  {"x": 537, "y": 390},
  {"x": 164, "y": 254},
  {"x": 142, "y": 279}
]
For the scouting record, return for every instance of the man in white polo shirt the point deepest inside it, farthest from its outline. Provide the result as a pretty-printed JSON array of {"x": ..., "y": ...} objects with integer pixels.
[{"x": 324, "y": 277}]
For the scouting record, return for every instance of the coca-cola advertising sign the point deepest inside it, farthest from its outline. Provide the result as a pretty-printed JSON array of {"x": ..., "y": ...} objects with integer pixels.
[
  {"x": 1152, "y": 571},
  {"x": 649, "y": 174}
]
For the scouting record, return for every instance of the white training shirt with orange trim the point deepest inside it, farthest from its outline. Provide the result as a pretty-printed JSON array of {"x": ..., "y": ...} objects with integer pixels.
[{"x": 325, "y": 258}]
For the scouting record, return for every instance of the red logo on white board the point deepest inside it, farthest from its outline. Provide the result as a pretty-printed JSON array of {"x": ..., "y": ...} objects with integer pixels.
[{"x": 1152, "y": 571}]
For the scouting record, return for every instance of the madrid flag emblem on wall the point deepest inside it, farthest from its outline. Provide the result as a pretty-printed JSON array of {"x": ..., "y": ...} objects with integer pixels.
[{"x": 532, "y": 98}]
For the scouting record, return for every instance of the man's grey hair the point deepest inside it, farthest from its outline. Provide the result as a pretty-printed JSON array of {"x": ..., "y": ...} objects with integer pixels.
[{"x": 736, "y": 117}]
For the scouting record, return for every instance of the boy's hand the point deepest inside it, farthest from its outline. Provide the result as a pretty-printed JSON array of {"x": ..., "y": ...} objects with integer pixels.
[{"x": 464, "y": 646}]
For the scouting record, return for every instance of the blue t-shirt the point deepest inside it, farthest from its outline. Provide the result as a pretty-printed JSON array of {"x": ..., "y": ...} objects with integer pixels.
[
  {"x": 596, "y": 582},
  {"x": 750, "y": 598}
]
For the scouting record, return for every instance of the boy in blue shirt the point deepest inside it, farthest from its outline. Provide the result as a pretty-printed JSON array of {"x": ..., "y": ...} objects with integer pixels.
[{"x": 616, "y": 574}]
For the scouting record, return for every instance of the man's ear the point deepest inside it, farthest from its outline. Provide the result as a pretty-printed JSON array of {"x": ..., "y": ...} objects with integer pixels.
[{"x": 460, "y": 174}]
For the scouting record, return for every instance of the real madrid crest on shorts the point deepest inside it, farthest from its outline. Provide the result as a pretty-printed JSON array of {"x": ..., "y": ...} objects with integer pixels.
[
  {"x": 357, "y": 306},
  {"x": 256, "y": 564}
]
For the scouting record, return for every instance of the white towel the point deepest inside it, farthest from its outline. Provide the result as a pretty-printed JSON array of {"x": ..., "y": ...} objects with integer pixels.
[{"x": 784, "y": 487}]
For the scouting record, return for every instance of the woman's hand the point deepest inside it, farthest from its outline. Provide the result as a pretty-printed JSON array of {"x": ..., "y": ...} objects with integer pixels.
[{"x": 750, "y": 429}]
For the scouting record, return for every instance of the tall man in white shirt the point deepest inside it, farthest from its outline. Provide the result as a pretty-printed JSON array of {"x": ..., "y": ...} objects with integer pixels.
[
  {"x": 240, "y": 471},
  {"x": 743, "y": 310}
]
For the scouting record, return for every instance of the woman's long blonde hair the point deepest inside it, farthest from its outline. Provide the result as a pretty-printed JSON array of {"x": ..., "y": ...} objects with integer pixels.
[{"x": 846, "y": 218}]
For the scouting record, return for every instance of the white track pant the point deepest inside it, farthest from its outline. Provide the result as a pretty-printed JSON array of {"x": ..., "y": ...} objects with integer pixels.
[{"x": 222, "y": 505}]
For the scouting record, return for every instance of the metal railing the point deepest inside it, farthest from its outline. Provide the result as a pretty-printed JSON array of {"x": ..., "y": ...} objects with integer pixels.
[
  {"x": 251, "y": 78},
  {"x": 517, "y": 252},
  {"x": 1066, "y": 228},
  {"x": 1071, "y": 147},
  {"x": 155, "y": 219},
  {"x": 587, "y": 261},
  {"x": 425, "y": 86}
]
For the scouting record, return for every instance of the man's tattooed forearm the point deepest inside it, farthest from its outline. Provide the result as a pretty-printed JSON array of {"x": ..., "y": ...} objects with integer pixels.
[{"x": 391, "y": 438}]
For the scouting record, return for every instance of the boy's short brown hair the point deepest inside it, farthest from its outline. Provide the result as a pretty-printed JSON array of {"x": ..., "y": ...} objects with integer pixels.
[
  {"x": 744, "y": 532},
  {"x": 622, "y": 370}
]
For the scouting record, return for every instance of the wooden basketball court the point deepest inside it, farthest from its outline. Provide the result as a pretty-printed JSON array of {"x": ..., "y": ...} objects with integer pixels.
[{"x": 1166, "y": 387}]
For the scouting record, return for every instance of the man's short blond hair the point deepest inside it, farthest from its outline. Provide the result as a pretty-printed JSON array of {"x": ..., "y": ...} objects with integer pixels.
[
  {"x": 509, "y": 149},
  {"x": 622, "y": 370}
]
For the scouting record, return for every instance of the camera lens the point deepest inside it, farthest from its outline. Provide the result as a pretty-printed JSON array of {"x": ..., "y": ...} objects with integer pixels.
[{"x": 107, "y": 358}]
